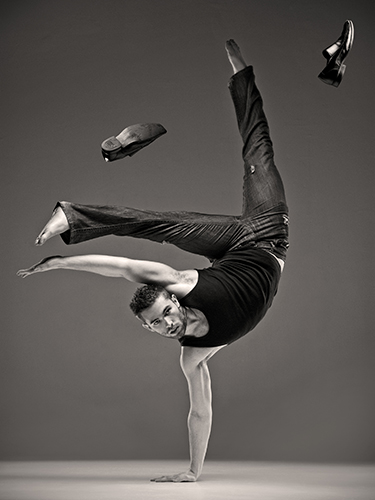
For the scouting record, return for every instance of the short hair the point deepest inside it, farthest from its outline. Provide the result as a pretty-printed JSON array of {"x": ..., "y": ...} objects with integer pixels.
[{"x": 145, "y": 296}]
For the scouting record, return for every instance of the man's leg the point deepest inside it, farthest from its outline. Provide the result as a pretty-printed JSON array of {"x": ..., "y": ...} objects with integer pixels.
[
  {"x": 203, "y": 234},
  {"x": 264, "y": 211},
  {"x": 263, "y": 187}
]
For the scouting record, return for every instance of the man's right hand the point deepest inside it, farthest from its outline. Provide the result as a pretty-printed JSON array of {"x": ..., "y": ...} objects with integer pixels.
[{"x": 42, "y": 266}]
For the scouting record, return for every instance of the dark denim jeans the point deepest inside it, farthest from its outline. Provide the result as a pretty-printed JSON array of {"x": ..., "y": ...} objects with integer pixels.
[{"x": 264, "y": 220}]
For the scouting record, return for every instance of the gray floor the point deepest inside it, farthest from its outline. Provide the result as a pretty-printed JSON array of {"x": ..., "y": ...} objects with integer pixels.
[{"x": 221, "y": 480}]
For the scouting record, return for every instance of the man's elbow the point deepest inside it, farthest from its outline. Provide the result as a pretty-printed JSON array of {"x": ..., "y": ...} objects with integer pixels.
[{"x": 200, "y": 414}]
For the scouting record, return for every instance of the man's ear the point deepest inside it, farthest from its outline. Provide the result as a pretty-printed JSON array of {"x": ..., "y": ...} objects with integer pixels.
[{"x": 147, "y": 327}]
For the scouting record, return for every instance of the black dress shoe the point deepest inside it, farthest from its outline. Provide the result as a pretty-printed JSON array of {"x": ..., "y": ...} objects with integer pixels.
[
  {"x": 336, "y": 55},
  {"x": 131, "y": 140}
]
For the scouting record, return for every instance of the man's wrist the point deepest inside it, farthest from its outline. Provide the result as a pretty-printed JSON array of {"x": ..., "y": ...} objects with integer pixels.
[
  {"x": 55, "y": 262},
  {"x": 193, "y": 472}
]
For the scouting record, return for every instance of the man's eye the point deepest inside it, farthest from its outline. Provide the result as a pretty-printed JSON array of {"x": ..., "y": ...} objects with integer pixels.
[{"x": 156, "y": 322}]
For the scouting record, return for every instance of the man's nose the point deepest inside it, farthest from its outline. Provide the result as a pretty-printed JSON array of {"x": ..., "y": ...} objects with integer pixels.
[{"x": 169, "y": 324}]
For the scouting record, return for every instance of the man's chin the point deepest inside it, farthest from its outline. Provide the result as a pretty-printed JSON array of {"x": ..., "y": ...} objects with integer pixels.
[{"x": 179, "y": 333}]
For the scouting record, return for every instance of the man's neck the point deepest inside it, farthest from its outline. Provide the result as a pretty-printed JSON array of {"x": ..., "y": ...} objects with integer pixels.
[{"x": 197, "y": 324}]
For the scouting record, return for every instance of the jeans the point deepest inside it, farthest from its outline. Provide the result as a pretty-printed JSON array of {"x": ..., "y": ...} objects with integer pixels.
[{"x": 264, "y": 219}]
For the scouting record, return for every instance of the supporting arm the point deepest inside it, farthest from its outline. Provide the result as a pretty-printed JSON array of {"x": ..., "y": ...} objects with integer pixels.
[{"x": 195, "y": 368}]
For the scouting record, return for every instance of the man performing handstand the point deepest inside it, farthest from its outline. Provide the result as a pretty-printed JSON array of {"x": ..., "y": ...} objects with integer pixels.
[{"x": 207, "y": 309}]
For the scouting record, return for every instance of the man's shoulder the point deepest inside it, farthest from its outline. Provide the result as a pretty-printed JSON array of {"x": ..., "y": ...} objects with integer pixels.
[{"x": 188, "y": 277}]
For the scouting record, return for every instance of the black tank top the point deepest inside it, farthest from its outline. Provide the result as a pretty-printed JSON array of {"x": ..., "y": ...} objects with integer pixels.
[{"x": 234, "y": 295}]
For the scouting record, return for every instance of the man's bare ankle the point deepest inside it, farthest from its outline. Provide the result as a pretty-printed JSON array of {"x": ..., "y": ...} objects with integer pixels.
[
  {"x": 234, "y": 55},
  {"x": 57, "y": 224}
]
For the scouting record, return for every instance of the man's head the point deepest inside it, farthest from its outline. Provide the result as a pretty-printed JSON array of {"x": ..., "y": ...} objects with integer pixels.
[{"x": 159, "y": 311}]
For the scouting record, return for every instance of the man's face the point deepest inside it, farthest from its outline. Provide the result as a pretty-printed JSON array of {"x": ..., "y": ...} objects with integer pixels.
[{"x": 165, "y": 317}]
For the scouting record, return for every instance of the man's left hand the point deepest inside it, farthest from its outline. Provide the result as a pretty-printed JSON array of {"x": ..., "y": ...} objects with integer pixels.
[{"x": 183, "y": 477}]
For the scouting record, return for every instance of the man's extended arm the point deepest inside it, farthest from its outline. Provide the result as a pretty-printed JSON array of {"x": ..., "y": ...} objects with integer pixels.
[{"x": 139, "y": 271}]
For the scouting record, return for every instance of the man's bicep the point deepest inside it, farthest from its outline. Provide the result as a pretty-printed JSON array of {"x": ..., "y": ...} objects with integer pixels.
[
  {"x": 149, "y": 272},
  {"x": 194, "y": 365},
  {"x": 199, "y": 384}
]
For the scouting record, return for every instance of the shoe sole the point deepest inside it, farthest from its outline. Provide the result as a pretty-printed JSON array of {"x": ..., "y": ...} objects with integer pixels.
[
  {"x": 351, "y": 36},
  {"x": 117, "y": 153}
]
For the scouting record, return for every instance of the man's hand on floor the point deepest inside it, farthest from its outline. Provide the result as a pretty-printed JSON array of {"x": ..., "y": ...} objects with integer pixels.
[{"x": 183, "y": 477}]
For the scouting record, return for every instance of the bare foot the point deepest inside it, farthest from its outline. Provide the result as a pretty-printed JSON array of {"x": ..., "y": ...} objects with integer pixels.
[
  {"x": 57, "y": 224},
  {"x": 235, "y": 56},
  {"x": 43, "y": 265}
]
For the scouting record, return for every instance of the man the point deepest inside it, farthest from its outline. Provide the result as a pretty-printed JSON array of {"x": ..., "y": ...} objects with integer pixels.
[{"x": 208, "y": 309}]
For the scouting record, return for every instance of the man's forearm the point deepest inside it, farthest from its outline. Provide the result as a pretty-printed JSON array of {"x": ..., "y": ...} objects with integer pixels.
[
  {"x": 105, "y": 265},
  {"x": 199, "y": 433}
]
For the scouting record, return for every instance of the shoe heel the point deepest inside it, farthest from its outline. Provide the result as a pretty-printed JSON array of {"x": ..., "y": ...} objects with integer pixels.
[
  {"x": 111, "y": 145},
  {"x": 339, "y": 76},
  {"x": 334, "y": 76}
]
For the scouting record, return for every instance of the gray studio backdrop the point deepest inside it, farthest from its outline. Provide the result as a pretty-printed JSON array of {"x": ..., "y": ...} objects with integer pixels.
[{"x": 80, "y": 378}]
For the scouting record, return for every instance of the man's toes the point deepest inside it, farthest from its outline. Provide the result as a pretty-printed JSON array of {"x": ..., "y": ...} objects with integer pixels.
[{"x": 41, "y": 239}]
